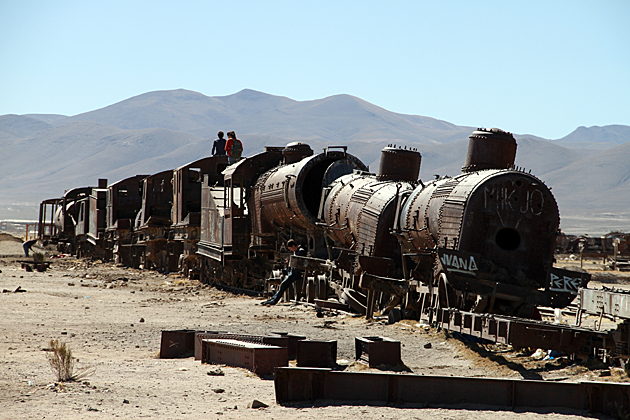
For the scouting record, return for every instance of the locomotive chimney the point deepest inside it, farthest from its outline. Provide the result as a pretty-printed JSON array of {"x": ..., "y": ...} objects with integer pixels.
[
  {"x": 296, "y": 151},
  {"x": 490, "y": 148},
  {"x": 399, "y": 164}
]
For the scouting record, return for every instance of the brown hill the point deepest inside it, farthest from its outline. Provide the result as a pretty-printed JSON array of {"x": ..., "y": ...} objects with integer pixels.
[{"x": 45, "y": 154}]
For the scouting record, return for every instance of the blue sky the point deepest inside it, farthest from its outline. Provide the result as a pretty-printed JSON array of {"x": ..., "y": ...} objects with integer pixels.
[{"x": 530, "y": 67}]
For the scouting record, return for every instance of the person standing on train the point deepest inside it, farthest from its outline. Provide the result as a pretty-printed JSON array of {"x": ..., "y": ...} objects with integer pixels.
[
  {"x": 233, "y": 147},
  {"x": 293, "y": 276},
  {"x": 218, "y": 148}
]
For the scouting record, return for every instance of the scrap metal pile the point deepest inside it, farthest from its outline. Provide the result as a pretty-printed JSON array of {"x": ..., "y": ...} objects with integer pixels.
[{"x": 317, "y": 376}]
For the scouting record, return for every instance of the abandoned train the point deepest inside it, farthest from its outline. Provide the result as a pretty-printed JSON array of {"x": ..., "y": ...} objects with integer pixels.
[{"x": 481, "y": 241}]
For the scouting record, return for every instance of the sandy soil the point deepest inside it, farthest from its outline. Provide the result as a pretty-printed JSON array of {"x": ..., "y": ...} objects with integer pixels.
[{"x": 111, "y": 318}]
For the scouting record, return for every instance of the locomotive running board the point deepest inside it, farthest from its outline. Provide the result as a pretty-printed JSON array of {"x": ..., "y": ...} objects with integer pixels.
[{"x": 310, "y": 384}]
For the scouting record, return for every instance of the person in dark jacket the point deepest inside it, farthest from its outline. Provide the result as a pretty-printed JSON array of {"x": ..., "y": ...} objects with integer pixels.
[
  {"x": 218, "y": 148},
  {"x": 293, "y": 276},
  {"x": 28, "y": 245}
]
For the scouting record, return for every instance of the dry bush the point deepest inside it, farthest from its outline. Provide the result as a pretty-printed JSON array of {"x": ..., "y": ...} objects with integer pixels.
[{"x": 62, "y": 363}]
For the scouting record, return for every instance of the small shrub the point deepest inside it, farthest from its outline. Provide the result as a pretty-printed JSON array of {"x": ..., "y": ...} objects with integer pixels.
[
  {"x": 61, "y": 361},
  {"x": 38, "y": 257}
]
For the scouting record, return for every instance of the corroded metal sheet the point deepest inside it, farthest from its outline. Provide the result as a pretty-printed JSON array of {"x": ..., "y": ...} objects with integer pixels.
[
  {"x": 308, "y": 384},
  {"x": 259, "y": 358},
  {"x": 291, "y": 194},
  {"x": 377, "y": 351},
  {"x": 177, "y": 343},
  {"x": 313, "y": 353},
  {"x": 607, "y": 302}
]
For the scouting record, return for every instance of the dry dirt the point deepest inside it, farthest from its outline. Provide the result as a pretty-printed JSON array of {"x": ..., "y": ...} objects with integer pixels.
[{"x": 111, "y": 318}]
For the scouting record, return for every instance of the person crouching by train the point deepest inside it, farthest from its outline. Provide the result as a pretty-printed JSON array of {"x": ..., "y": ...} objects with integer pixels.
[
  {"x": 233, "y": 147},
  {"x": 218, "y": 147},
  {"x": 28, "y": 245},
  {"x": 293, "y": 276}
]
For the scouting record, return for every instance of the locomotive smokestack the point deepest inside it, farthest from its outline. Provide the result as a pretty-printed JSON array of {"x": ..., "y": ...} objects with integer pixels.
[
  {"x": 490, "y": 148},
  {"x": 296, "y": 151},
  {"x": 399, "y": 165}
]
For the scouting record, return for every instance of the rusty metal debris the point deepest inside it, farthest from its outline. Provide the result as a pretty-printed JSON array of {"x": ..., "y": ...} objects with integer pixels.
[
  {"x": 483, "y": 239},
  {"x": 261, "y": 359},
  {"x": 280, "y": 340},
  {"x": 374, "y": 241},
  {"x": 309, "y": 384},
  {"x": 293, "y": 342},
  {"x": 331, "y": 304},
  {"x": 605, "y": 302},
  {"x": 610, "y": 303},
  {"x": 313, "y": 353},
  {"x": 523, "y": 333},
  {"x": 39, "y": 266},
  {"x": 377, "y": 351},
  {"x": 244, "y": 350},
  {"x": 177, "y": 343}
]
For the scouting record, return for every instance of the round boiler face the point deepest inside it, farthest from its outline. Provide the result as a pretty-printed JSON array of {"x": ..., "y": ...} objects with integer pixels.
[{"x": 512, "y": 219}]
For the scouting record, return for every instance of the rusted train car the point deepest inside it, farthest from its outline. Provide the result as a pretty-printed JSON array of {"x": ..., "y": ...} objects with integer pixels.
[
  {"x": 141, "y": 221},
  {"x": 65, "y": 221}
]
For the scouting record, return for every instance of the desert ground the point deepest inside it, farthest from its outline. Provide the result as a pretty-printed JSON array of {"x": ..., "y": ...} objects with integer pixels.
[{"x": 112, "y": 317}]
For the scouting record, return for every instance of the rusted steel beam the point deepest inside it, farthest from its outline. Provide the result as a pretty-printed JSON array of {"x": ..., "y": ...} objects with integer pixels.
[
  {"x": 309, "y": 384},
  {"x": 520, "y": 332},
  {"x": 356, "y": 300},
  {"x": 177, "y": 343},
  {"x": 331, "y": 304},
  {"x": 383, "y": 284},
  {"x": 312, "y": 353},
  {"x": 274, "y": 340},
  {"x": 261, "y": 359},
  {"x": 371, "y": 302},
  {"x": 310, "y": 263},
  {"x": 376, "y": 351}
]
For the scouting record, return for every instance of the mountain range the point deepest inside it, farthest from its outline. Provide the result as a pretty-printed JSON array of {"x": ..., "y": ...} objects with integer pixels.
[{"x": 45, "y": 154}]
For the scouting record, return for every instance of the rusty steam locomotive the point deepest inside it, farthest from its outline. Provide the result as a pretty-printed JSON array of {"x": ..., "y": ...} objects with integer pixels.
[{"x": 481, "y": 241}]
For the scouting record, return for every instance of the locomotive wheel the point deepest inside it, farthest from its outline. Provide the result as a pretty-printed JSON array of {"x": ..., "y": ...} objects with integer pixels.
[
  {"x": 310, "y": 290},
  {"x": 394, "y": 316},
  {"x": 320, "y": 288}
]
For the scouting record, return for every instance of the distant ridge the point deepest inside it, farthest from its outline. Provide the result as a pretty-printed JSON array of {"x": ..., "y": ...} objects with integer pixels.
[
  {"x": 44, "y": 154},
  {"x": 597, "y": 137}
]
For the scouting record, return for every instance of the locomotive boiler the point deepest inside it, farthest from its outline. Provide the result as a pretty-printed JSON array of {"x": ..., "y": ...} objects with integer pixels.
[{"x": 265, "y": 200}]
